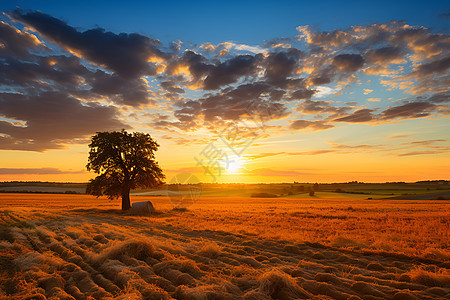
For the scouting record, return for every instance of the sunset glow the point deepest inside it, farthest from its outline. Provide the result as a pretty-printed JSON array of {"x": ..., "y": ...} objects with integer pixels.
[
  {"x": 235, "y": 165},
  {"x": 312, "y": 97}
]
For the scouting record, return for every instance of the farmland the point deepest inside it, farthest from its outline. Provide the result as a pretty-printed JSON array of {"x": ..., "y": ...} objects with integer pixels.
[{"x": 328, "y": 246}]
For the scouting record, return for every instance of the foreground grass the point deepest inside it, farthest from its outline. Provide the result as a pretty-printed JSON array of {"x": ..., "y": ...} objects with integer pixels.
[{"x": 68, "y": 246}]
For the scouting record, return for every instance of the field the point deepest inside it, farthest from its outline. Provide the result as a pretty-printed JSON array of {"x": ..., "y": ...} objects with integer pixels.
[{"x": 326, "y": 246}]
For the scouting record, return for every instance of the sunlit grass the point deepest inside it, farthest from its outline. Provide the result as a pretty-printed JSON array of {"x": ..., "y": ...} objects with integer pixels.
[{"x": 223, "y": 248}]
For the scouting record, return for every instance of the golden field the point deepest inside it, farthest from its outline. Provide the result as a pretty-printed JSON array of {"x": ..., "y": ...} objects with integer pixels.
[{"x": 331, "y": 246}]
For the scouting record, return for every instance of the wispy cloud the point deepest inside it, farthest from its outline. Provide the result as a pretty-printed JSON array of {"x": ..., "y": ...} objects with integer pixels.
[
  {"x": 275, "y": 173},
  {"x": 36, "y": 171}
]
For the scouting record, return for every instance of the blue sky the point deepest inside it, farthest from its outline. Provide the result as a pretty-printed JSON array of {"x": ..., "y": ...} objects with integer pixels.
[{"x": 249, "y": 22}]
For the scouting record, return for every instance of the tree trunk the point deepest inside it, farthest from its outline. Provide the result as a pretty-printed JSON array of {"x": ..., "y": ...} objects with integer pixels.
[{"x": 126, "y": 205}]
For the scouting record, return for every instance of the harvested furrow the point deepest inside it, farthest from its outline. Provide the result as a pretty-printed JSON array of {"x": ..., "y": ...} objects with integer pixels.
[{"x": 102, "y": 257}]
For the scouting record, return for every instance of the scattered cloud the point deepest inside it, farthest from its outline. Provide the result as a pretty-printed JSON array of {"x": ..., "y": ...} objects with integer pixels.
[
  {"x": 312, "y": 152},
  {"x": 358, "y": 116},
  {"x": 130, "y": 55},
  {"x": 349, "y": 62},
  {"x": 307, "y": 124},
  {"x": 424, "y": 152},
  {"x": 399, "y": 136},
  {"x": 275, "y": 173},
  {"x": 100, "y": 77},
  {"x": 52, "y": 120},
  {"x": 263, "y": 155},
  {"x": 410, "y": 110},
  {"x": 324, "y": 91}
]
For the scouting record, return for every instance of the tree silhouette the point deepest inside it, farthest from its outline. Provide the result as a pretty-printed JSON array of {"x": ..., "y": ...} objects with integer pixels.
[{"x": 124, "y": 161}]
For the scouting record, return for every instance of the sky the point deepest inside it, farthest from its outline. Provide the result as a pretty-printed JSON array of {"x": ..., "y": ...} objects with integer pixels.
[{"x": 248, "y": 91}]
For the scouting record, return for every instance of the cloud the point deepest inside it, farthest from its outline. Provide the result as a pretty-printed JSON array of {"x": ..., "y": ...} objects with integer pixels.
[
  {"x": 424, "y": 152},
  {"x": 16, "y": 43},
  {"x": 262, "y": 155},
  {"x": 380, "y": 45},
  {"x": 275, "y": 173},
  {"x": 386, "y": 55},
  {"x": 131, "y": 92},
  {"x": 170, "y": 87},
  {"x": 418, "y": 109},
  {"x": 35, "y": 171},
  {"x": 445, "y": 15},
  {"x": 427, "y": 147},
  {"x": 195, "y": 170},
  {"x": 438, "y": 66},
  {"x": 242, "y": 101},
  {"x": 280, "y": 65},
  {"x": 279, "y": 43},
  {"x": 359, "y": 116},
  {"x": 40, "y": 72},
  {"x": 199, "y": 72},
  {"x": 306, "y": 124},
  {"x": 230, "y": 71},
  {"x": 188, "y": 112},
  {"x": 427, "y": 142},
  {"x": 439, "y": 97},
  {"x": 52, "y": 119},
  {"x": 224, "y": 48},
  {"x": 312, "y": 152},
  {"x": 69, "y": 74},
  {"x": 399, "y": 136},
  {"x": 320, "y": 107},
  {"x": 186, "y": 140},
  {"x": 302, "y": 94},
  {"x": 349, "y": 62},
  {"x": 354, "y": 147},
  {"x": 324, "y": 91},
  {"x": 94, "y": 72},
  {"x": 129, "y": 55}
]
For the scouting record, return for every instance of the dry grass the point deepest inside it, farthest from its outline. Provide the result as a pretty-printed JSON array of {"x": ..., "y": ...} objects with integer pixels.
[
  {"x": 223, "y": 248},
  {"x": 430, "y": 276},
  {"x": 209, "y": 249}
]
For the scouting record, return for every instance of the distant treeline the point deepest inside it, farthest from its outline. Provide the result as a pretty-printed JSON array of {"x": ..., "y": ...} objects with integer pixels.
[
  {"x": 39, "y": 192},
  {"x": 42, "y": 183}
]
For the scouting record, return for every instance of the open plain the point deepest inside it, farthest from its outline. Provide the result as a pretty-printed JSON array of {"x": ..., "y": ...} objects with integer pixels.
[{"x": 328, "y": 247}]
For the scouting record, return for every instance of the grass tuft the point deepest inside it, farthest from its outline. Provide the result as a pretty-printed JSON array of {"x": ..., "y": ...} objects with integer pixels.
[
  {"x": 279, "y": 285},
  {"x": 210, "y": 249},
  {"x": 139, "y": 249},
  {"x": 436, "y": 277}
]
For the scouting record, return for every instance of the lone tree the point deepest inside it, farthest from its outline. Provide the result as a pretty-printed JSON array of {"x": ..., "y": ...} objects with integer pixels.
[{"x": 124, "y": 161}]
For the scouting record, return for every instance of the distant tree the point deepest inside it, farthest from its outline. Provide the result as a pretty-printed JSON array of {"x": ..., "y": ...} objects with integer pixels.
[
  {"x": 311, "y": 193},
  {"x": 124, "y": 161},
  {"x": 316, "y": 187}
]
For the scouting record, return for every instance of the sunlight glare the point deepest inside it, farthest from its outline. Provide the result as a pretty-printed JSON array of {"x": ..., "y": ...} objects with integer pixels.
[{"x": 234, "y": 164}]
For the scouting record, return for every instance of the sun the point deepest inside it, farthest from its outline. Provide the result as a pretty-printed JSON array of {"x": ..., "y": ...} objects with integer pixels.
[{"x": 234, "y": 165}]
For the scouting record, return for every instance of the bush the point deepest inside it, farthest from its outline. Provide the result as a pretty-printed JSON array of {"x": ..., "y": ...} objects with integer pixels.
[
  {"x": 70, "y": 192},
  {"x": 263, "y": 195}
]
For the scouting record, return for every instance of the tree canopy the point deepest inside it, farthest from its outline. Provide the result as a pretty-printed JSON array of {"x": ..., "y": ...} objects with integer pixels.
[{"x": 124, "y": 161}]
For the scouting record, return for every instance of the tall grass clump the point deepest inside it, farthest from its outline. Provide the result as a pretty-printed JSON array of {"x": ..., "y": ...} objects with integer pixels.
[
  {"x": 139, "y": 249},
  {"x": 279, "y": 285}
]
